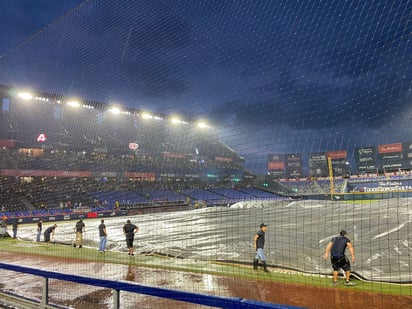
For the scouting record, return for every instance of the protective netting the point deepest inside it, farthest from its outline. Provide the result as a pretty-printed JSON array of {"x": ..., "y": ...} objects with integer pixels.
[{"x": 191, "y": 104}]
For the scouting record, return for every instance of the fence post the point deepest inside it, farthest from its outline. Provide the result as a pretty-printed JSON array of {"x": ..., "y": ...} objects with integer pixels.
[
  {"x": 45, "y": 296},
  {"x": 116, "y": 299}
]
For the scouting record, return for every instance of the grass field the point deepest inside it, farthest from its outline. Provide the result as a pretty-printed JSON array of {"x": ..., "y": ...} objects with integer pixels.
[{"x": 195, "y": 266}]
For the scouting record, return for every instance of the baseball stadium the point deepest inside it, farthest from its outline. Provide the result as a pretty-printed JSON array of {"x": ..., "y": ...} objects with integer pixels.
[{"x": 205, "y": 154}]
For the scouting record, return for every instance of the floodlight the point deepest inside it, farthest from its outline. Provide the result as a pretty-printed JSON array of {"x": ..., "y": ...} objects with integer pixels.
[
  {"x": 175, "y": 120},
  {"x": 147, "y": 116},
  {"x": 73, "y": 104},
  {"x": 201, "y": 125},
  {"x": 42, "y": 99},
  {"x": 114, "y": 110},
  {"x": 25, "y": 95}
]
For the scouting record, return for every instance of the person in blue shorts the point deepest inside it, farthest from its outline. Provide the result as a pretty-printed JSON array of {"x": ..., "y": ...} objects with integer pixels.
[
  {"x": 339, "y": 260},
  {"x": 103, "y": 236},
  {"x": 258, "y": 245},
  {"x": 39, "y": 229},
  {"x": 3, "y": 227}
]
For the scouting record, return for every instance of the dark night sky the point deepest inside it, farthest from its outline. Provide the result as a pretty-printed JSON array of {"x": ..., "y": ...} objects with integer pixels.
[{"x": 276, "y": 76}]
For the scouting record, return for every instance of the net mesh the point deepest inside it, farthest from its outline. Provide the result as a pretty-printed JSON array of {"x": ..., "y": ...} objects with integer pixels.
[{"x": 184, "y": 105}]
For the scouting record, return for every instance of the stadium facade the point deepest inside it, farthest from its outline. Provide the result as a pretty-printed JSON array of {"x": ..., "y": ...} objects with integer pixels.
[{"x": 53, "y": 138}]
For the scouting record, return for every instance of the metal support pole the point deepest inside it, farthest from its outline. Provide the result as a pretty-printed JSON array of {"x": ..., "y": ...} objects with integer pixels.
[
  {"x": 116, "y": 299},
  {"x": 45, "y": 296}
]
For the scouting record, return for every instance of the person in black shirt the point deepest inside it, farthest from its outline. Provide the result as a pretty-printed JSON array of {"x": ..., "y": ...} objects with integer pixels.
[
  {"x": 258, "y": 245},
  {"x": 129, "y": 231},
  {"x": 49, "y": 231},
  {"x": 339, "y": 260},
  {"x": 79, "y": 229}
]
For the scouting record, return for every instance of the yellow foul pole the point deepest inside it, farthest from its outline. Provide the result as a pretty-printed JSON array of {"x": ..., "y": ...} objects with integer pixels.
[{"x": 332, "y": 189}]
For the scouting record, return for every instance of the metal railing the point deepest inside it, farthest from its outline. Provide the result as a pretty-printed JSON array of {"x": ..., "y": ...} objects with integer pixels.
[{"x": 118, "y": 286}]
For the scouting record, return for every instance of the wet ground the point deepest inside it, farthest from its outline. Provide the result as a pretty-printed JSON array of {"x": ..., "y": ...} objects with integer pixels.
[
  {"x": 298, "y": 232},
  {"x": 86, "y": 297}
]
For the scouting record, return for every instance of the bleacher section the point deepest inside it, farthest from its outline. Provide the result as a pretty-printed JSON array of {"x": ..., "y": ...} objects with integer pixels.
[{"x": 47, "y": 198}]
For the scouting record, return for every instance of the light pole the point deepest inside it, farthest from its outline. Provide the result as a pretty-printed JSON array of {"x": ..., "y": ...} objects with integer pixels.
[{"x": 348, "y": 168}]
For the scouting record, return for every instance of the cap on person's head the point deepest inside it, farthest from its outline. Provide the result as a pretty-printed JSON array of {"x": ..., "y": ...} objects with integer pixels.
[
  {"x": 263, "y": 225},
  {"x": 342, "y": 233},
  {"x": 128, "y": 221}
]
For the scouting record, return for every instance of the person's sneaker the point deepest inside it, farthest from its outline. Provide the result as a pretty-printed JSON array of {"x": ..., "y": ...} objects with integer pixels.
[
  {"x": 80, "y": 246},
  {"x": 74, "y": 245},
  {"x": 348, "y": 283}
]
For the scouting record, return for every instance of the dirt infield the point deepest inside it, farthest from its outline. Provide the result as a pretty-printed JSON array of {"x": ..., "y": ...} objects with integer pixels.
[{"x": 80, "y": 296}]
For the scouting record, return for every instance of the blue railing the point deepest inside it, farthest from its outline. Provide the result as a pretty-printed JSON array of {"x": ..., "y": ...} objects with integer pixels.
[{"x": 117, "y": 286}]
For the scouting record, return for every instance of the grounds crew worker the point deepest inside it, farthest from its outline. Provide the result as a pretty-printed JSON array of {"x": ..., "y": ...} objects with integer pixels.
[
  {"x": 258, "y": 245},
  {"x": 339, "y": 260}
]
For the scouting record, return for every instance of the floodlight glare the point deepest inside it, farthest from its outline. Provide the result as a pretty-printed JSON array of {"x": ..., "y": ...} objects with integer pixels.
[
  {"x": 175, "y": 120},
  {"x": 202, "y": 125},
  {"x": 147, "y": 116},
  {"x": 25, "y": 95},
  {"x": 115, "y": 110},
  {"x": 73, "y": 104}
]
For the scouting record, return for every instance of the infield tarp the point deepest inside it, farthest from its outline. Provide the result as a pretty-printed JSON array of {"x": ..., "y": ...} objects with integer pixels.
[{"x": 298, "y": 232}]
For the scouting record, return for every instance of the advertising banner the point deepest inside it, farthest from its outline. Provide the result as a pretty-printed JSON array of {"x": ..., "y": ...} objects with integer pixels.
[
  {"x": 7, "y": 143},
  {"x": 391, "y": 157},
  {"x": 407, "y": 155},
  {"x": 44, "y": 173},
  {"x": 380, "y": 186},
  {"x": 339, "y": 154},
  {"x": 366, "y": 159},
  {"x": 390, "y": 148},
  {"x": 318, "y": 164},
  {"x": 145, "y": 176},
  {"x": 340, "y": 167},
  {"x": 276, "y": 165},
  {"x": 294, "y": 166}
]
